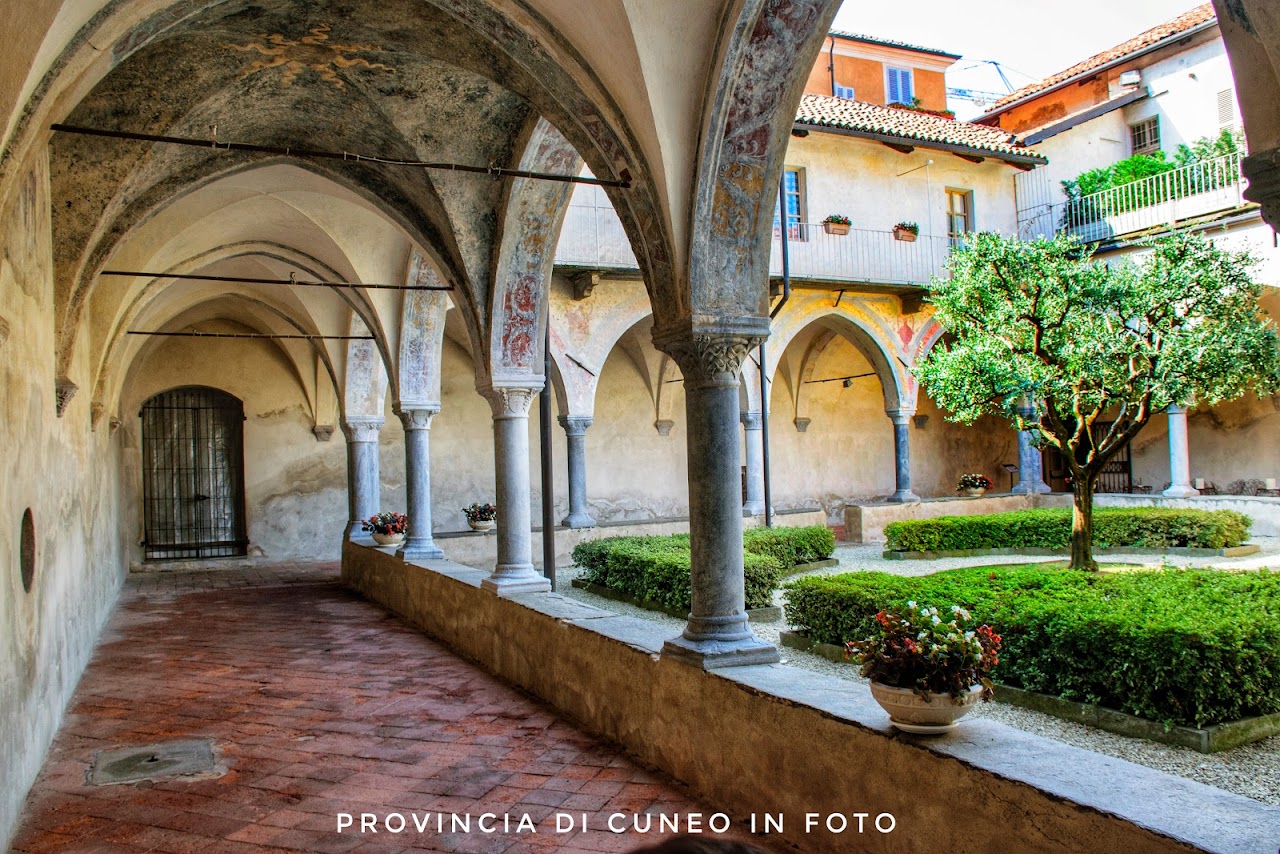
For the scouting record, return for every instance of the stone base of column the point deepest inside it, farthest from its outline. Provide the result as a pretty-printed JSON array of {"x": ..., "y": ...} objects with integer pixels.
[
  {"x": 753, "y": 508},
  {"x": 510, "y": 580},
  {"x": 1030, "y": 488},
  {"x": 714, "y": 654},
  {"x": 420, "y": 551},
  {"x": 903, "y": 496},
  {"x": 356, "y": 535},
  {"x": 578, "y": 520},
  {"x": 1179, "y": 490}
]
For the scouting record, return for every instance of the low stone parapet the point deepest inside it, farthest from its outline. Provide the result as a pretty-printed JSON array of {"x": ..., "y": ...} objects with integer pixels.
[
  {"x": 803, "y": 747},
  {"x": 865, "y": 523}
]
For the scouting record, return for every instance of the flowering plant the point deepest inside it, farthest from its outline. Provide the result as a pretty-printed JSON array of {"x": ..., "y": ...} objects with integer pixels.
[
  {"x": 386, "y": 523},
  {"x": 912, "y": 227},
  {"x": 974, "y": 481},
  {"x": 480, "y": 512},
  {"x": 838, "y": 219},
  {"x": 917, "y": 649}
]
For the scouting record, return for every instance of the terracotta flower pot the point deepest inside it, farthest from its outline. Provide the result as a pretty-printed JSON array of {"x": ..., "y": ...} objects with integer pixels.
[
  {"x": 903, "y": 234},
  {"x": 910, "y": 712},
  {"x": 388, "y": 539},
  {"x": 835, "y": 228}
]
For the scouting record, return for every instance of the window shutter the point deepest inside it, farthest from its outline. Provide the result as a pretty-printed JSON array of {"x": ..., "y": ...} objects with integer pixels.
[
  {"x": 1226, "y": 108},
  {"x": 895, "y": 88}
]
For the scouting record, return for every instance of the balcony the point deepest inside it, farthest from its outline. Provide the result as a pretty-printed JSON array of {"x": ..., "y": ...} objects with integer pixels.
[
  {"x": 1164, "y": 200},
  {"x": 593, "y": 238}
]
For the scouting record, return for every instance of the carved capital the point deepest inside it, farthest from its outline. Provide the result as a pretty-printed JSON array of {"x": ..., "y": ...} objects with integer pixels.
[
  {"x": 417, "y": 417},
  {"x": 362, "y": 429},
  {"x": 802, "y": 424},
  {"x": 63, "y": 390},
  {"x": 1263, "y": 171},
  {"x": 663, "y": 426},
  {"x": 709, "y": 358},
  {"x": 751, "y": 420},
  {"x": 323, "y": 432},
  {"x": 576, "y": 425},
  {"x": 900, "y": 417},
  {"x": 584, "y": 283},
  {"x": 510, "y": 401}
]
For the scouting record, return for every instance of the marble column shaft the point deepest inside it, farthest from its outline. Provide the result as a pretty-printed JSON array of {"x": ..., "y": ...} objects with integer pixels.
[
  {"x": 514, "y": 572},
  {"x": 717, "y": 634},
  {"x": 575, "y": 432},
  {"x": 753, "y": 445},
  {"x": 419, "y": 544},
  {"x": 1179, "y": 456},
  {"x": 1030, "y": 461},
  {"x": 901, "y": 419},
  {"x": 364, "y": 484}
]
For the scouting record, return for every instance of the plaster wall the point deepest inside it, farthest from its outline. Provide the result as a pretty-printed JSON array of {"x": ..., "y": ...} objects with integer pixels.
[
  {"x": 295, "y": 486},
  {"x": 68, "y": 476},
  {"x": 1184, "y": 88}
]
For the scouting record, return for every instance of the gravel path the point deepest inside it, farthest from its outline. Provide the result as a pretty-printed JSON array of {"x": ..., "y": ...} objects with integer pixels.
[{"x": 1252, "y": 770}]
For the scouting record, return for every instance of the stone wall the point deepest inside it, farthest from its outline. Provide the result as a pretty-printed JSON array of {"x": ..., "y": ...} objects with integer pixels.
[{"x": 774, "y": 739}]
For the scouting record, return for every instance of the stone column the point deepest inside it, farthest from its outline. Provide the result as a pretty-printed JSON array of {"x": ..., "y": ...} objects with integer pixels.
[
  {"x": 514, "y": 572},
  {"x": 1179, "y": 456},
  {"x": 1030, "y": 462},
  {"x": 901, "y": 419},
  {"x": 418, "y": 545},
  {"x": 575, "y": 432},
  {"x": 364, "y": 484},
  {"x": 753, "y": 443},
  {"x": 718, "y": 634}
]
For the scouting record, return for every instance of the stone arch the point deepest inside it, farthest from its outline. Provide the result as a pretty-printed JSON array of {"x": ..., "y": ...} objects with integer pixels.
[
  {"x": 808, "y": 364},
  {"x": 422, "y": 322},
  {"x": 364, "y": 392},
  {"x": 588, "y": 334}
]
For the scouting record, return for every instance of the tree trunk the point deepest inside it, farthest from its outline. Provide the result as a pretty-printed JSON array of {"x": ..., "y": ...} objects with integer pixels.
[{"x": 1082, "y": 525}]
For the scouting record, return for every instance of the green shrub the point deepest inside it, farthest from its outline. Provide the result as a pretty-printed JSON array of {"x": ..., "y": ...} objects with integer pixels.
[
  {"x": 1148, "y": 527},
  {"x": 657, "y": 568},
  {"x": 1194, "y": 647}
]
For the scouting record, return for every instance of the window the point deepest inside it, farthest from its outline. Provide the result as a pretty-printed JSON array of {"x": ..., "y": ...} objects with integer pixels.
[
  {"x": 844, "y": 91},
  {"x": 1145, "y": 135},
  {"x": 959, "y": 215},
  {"x": 897, "y": 87},
  {"x": 793, "y": 190},
  {"x": 1226, "y": 109}
]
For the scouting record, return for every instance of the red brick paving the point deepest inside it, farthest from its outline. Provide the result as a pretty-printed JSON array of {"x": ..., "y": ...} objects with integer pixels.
[{"x": 318, "y": 703}]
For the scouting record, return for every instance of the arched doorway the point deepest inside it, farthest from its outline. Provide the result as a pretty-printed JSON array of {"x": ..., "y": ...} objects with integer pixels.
[{"x": 193, "y": 474}]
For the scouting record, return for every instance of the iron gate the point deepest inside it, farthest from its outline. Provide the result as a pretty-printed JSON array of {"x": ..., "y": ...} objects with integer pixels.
[
  {"x": 193, "y": 474},
  {"x": 1116, "y": 475}
]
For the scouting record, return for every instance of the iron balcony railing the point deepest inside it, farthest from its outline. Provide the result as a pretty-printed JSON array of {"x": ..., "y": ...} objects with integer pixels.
[
  {"x": 593, "y": 237},
  {"x": 1191, "y": 191}
]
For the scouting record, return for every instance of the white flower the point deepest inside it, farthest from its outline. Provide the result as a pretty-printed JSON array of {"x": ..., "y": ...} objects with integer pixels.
[
  {"x": 936, "y": 621},
  {"x": 912, "y": 604}
]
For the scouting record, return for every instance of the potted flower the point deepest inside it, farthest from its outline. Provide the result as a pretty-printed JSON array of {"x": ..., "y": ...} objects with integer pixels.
[
  {"x": 480, "y": 516},
  {"x": 973, "y": 484},
  {"x": 927, "y": 669},
  {"x": 907, "y": 231},
  {"x": 387, "y": 528},
  {"x": 836, "y": 224}
]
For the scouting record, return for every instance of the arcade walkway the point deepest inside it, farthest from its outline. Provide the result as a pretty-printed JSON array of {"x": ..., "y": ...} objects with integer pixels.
[{"x": 318, "y": 703}]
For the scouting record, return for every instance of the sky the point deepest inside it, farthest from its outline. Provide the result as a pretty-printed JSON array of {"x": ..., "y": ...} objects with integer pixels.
[{"x": 1031, "y": 39}]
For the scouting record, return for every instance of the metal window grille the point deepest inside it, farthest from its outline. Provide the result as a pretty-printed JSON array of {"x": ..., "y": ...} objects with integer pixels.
[
  {"x": 193, "y": 474},
  {"x": 1145, "y": 135}
]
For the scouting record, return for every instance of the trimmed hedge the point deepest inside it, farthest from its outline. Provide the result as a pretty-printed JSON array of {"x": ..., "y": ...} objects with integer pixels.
[
  {"x": 657, "y": 568},
  {"x": 1180, "y": 646},
  {"x": 1144, "y": 527}
]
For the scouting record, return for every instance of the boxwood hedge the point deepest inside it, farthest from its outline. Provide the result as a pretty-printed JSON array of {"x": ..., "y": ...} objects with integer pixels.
[
  {"x": 1149, "y": 527},
  {"x": 657, "y": 568},
  {"x": 1180, "y": 646}
]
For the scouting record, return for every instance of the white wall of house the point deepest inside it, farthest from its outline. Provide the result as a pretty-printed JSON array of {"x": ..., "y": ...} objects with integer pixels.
[{"x": 1184, "y": 95}]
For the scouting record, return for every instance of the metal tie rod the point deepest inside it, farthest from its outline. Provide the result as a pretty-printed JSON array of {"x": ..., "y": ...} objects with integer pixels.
[
  {"x": 252, "y": 335},
  {"x": 304, "y": 283},
  {"x": 623, "y": 183}
]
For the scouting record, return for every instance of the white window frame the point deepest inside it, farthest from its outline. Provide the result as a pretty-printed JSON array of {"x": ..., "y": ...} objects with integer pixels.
[
  {"x": 909, "y": 74},
  {"x": 956, "y": 238},
  {"x": 798, "y": 230},
  {"x": 1151, "y": 146},
  {"x": 845, "y": 92}
]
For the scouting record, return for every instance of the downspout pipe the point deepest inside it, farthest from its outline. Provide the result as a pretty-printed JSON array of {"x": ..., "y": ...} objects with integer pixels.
[
  {"x": 548, "y": 476},
  {"x": 831, "y": 65},
  {"x": 764, "y": 381}
]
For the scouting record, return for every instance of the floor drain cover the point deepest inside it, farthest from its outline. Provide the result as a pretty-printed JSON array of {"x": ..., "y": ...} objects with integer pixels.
[{"x": 172, "y": 759}]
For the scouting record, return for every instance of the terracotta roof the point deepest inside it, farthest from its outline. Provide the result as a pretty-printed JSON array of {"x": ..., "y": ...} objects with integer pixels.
[
  {"x": 858, "y": 37},
  {"x": 1189, "y": 20},
  {"x": 910, "y": 126}
]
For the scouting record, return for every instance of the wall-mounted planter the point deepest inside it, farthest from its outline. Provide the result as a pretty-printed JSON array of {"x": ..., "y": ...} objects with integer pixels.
[
  {"x": 904, "y": 234},
  {"x": 835, "y": 228}
]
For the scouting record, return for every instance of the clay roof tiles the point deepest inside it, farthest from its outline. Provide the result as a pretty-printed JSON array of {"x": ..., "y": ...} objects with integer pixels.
[
  {"x": 908, "y": 125},
  {"x": 1189, "y": 20}
]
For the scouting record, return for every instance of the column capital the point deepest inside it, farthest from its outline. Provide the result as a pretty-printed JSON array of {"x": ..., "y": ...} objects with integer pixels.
[
  {"x": 417, "y": 416},
  {"x": 511, "y": 401},
  {"x": 1263, "y": 171},
  {"x": 360, "y": 428},
  {"x": 709, "y": 357},
  {"x": 900, "y": 416},
  {"x": 751, "y": 420},
  {"x": 575, "y": 425}
]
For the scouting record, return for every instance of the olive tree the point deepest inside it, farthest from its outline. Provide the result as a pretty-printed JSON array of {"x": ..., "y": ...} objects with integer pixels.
[{"x": 1083, "y": 341}]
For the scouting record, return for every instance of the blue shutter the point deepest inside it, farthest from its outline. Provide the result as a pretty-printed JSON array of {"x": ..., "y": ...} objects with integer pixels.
[{"x": 899, "y": 85}]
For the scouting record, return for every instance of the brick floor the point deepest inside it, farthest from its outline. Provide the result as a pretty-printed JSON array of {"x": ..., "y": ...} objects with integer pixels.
[{"x": 319, "y": 703}]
